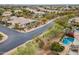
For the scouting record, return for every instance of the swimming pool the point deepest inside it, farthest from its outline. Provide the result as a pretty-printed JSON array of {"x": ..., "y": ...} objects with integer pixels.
[{"x": 67, "y": 40}]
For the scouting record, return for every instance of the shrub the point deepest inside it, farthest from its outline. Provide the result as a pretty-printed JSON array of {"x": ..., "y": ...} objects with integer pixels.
[
  {"x": 1, "y": 36},
  {"x": 56, "y": 47},
  {"x": 27, "y": 49}
]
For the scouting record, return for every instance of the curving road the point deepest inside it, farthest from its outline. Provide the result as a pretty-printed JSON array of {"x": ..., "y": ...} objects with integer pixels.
[{"x": 16, "y": 38}]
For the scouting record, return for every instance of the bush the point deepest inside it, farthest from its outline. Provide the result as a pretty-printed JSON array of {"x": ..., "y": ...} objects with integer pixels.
[
  {"x": 1, "y": 36},
  {"x": 27, "y": 49},
  {"x": 56, "y": 47}
]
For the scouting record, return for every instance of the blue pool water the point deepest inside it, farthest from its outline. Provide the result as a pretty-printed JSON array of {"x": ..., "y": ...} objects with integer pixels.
[{"x": 67, "y": 40}]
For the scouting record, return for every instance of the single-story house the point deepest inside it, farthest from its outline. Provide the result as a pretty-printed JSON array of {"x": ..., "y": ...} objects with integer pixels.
[
  {"x": 17, "y": 10},
  {"x": 76, "y": 34},
  {"x": 74, "y": 21},
  {"x": 20, "y": 20},
  {"x": 7, "y": 13}
]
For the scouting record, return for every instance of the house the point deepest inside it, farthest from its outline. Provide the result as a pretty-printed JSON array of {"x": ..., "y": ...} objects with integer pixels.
[
  {"x": 7, "y": 13},
  {"x": 5, "y": 19},
  {"x": 76, "y": 34},
  {"x": 20, "y": 20},
  {"x": 17, "y": 10},
  {"x": 74, "y": 21}
]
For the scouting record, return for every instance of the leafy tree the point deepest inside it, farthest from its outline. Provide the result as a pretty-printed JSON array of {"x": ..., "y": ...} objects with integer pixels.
[
  {"x": 1, "y": 11},
  {"x": 16, "y": 26},
  {"x": 1, "y": 36},
  {"x": 56, "y": 47}
]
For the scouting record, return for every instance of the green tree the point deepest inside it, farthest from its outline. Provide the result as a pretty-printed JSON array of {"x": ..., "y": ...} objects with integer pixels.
[
  {"x": 1, "y": 11},
  {"x": 16, "y": 26},
  {"x": 56, "y": 47},
  {"x": 1, "y": 36}
]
